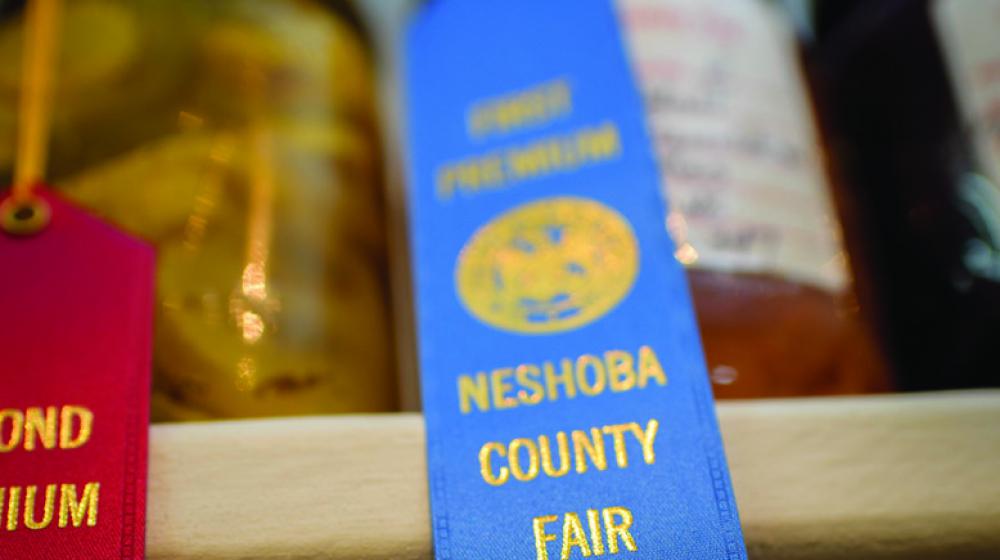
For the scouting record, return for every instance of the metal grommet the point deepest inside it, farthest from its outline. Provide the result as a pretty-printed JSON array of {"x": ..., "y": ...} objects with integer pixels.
[{"x": 24, "y": 217}]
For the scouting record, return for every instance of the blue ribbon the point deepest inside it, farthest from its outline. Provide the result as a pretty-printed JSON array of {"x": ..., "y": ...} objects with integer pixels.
[{"x": 568, "y": 409}]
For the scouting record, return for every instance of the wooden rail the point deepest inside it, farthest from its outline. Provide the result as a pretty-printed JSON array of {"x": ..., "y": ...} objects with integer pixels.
[{"x": 914, "y": 476}]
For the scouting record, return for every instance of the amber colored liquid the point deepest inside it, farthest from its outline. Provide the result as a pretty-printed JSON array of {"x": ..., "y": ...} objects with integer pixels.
[{"x": 769, "y": 337}]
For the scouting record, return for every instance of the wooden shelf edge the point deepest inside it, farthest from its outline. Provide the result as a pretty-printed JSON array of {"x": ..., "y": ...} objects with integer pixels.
[{"x": 899, "y": 476}]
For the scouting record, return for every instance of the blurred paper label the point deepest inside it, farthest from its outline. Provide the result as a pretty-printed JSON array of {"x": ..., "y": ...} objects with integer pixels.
[
  {"x": 734, "y": 133},
  {"x": 75, "y": 335},
  {"x": 567, "y": 405}
]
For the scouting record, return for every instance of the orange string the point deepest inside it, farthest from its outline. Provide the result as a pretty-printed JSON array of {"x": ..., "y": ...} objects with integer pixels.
[{"x": 37, "y": 67}]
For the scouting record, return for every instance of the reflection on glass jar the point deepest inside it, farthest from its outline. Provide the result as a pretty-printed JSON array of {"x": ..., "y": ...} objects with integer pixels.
[{"x": 240, "y": 138}]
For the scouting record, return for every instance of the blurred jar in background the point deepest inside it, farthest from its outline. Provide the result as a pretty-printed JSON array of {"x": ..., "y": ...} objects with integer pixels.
[
  {"x": 913, "y": 95},
  {"x": 240, "y": 138},
  {"x": 751, "y": 212}
]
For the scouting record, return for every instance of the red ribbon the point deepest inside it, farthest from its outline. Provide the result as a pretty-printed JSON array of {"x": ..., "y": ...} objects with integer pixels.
[{"x": 76, "y": 302}]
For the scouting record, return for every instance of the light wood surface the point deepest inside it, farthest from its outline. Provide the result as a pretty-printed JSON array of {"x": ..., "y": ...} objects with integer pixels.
[{"x": 915, "y": 477}]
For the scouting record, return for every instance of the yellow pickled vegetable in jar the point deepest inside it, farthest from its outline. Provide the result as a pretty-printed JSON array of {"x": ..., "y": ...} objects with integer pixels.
[{"x": 240, "y": 138}]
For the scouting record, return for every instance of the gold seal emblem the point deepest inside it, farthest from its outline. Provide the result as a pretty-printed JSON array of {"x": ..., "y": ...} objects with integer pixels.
[{"x": 548, "y": 266}]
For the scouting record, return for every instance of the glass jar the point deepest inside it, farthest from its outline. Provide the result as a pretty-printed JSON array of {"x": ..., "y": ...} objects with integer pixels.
[
  {"x": 751, "y": 209},
  {"x": 913, "y": 89},
  {"x": 239, "y": 138}
]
